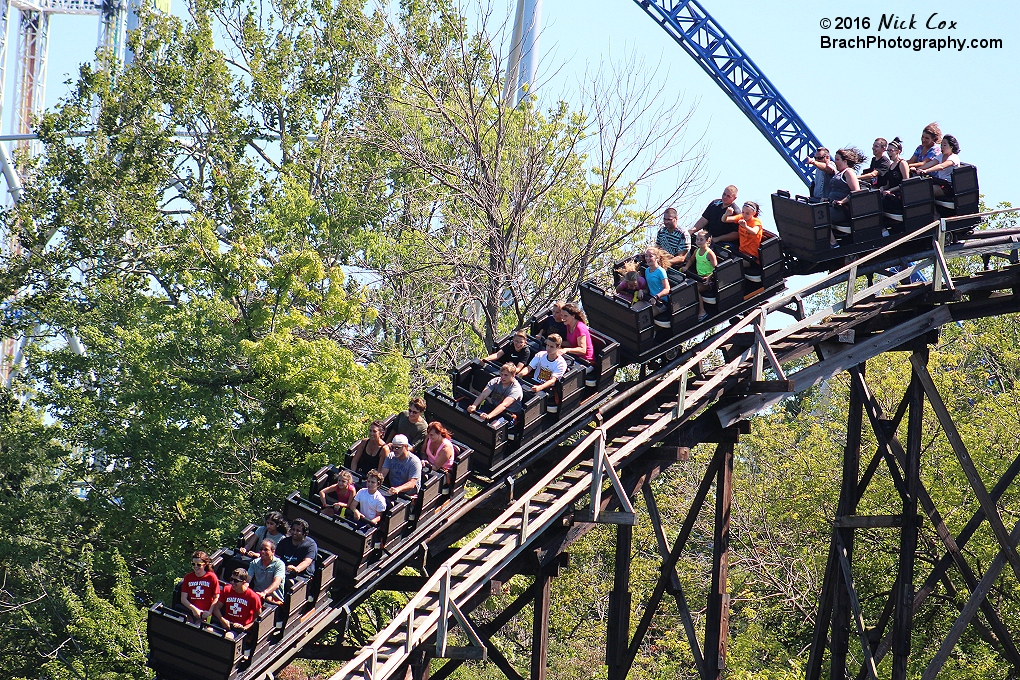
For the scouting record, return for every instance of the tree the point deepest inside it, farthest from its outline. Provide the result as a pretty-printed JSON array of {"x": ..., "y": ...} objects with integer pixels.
[{"x": 502, "y": 208}]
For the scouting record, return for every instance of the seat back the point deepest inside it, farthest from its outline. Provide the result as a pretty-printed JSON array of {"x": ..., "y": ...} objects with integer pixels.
[
  {"x": 866, "y": 219},
  {"x": 804, "y": 226},
  {"x": 178, "y": 649},
  {"x": 324, "y": 477},
  {"x": 605, "y": 361},
  {"x": 965, "y": 200}
]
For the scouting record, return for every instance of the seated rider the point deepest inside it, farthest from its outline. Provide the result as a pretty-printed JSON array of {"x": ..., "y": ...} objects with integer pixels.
[
  {"x": 550, "y": 365},
  {"x": 403, "y": 467},
  {"x": 518, "y": 353},
  {"x": 672, "y": 239},
  {"x": 369, "y": 503},
  {"x": 370, "y": 454},
  {"x": 267, "y": 574},
  {"x": 239, "y": 605},
  {"x": 824, "y": 169},
  {"x": 501, "y": 394},
  {"x": 724, "y": 236},
  {"x": 410, "y": 423},
  {"x": 750, "y": 229},
  {"x": 656, "y": 261},
  {"x": 200, "y": 588},
  {"x": 439, "y": 447},
  {"x": 336, "y": 496},
  {"x": 298, "y": 550},
  {"x": 577, "y": 341},
  {"x": 554, "y": 322},
  {"x": 632, "y": 287},
  {"x": 274, "y": 528},
  {"x": 704, "y": 263}
]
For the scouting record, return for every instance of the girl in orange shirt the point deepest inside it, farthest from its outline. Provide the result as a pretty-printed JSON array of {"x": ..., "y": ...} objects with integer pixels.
[{"x": 750, "y": 230}]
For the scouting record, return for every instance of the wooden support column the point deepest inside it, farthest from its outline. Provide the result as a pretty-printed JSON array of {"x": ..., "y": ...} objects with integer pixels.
[
  {"x": 717, "y": 619},
  {"x": 904, "y": 588},
  {"x": 540, "y": 626},
  {"x": 669, "y": 564},
  {"x": 848, "y": 500},
  {"x": 618, "y": 626},
  {"x": 420, "y": 665}
]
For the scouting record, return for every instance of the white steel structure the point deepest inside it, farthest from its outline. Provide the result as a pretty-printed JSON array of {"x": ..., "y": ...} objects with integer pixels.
[{"x": 30, "y": 89}]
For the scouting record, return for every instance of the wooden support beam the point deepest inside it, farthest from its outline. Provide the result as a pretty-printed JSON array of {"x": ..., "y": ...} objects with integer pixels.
[
  {"x": 969, "y": 609},
  {"x": 954, "y": 556},
  {"x": 846, "y": 508},
  {"x": 406, "y": 584},
  {"x": 967, "y": 463},
  {"x": 903, "y": 617},
  {"x": 717, "y": 618},
  {"x": 762, "y": 386},
  {"x": 618, "y": 624},
  {"x": 873, "y": 521},
  {"x": 840, "y": 358},
  {"x": 497, "y": 657},
  {"x": 486, "y": 631},
  {"x": 540, "y": 628},
  {"x": 652, "y": 606},
  {"x": 674, "y": 581},
  {"x": 855, "y": 607}
]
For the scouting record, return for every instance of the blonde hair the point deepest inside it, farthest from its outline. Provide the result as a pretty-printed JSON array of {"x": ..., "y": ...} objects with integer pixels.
[{"x": 660, "y": 255}]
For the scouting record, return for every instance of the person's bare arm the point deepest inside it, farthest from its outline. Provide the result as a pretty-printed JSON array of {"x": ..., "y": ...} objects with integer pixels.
[{"x": 500, "y": 407}]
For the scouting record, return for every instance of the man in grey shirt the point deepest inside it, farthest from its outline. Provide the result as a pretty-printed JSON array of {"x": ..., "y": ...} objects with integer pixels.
[
  {"x": 403, "y": 467},
  {"x": 266, "y": 574},
  {"x": 500, "y": 394}
]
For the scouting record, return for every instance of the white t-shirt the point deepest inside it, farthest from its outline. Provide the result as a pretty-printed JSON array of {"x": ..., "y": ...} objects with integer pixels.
[
  {"x": 947, "y": 173},
  {"x": 544, "y": 368},
  {"x": 371, "y": 505}
]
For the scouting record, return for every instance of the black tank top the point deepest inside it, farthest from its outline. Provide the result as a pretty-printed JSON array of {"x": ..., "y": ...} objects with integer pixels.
[{"x": 892, "y": 178}]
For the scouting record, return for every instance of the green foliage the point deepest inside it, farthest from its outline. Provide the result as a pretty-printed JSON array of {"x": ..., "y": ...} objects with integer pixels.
[
  {"x": 108, "y": 635},
  {"x": 285, "y": 215}
]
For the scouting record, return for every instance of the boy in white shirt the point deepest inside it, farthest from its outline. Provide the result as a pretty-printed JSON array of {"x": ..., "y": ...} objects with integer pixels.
[{"x": 369, "y": 503}]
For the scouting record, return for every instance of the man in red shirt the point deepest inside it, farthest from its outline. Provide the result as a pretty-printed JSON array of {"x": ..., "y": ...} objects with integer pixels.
[
  {"x": 200, "y": 588},
  {"x": 239, "y": 604}
]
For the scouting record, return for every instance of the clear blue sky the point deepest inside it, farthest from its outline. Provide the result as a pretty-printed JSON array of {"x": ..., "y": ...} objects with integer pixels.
[{"x": 845, "y": 97}]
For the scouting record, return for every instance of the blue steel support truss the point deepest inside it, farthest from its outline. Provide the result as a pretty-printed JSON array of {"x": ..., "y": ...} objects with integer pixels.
[{"x": 712, "y": 47}]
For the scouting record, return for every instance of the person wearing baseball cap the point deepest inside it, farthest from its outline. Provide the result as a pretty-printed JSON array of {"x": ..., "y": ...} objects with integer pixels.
[{"x": 402, "y": 467}]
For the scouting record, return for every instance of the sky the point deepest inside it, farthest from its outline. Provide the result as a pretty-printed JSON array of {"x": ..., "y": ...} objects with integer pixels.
[{"x": 845, "y": 96}]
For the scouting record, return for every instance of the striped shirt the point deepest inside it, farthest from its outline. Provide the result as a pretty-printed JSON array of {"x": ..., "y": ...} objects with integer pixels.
[{"x": 673, "y": 241}]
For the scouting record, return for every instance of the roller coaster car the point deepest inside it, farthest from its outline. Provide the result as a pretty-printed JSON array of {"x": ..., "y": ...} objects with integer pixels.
[
  {"x": 178, "y": 649},
  {"x": 355, "y": 547},
  {"x": 965, "y": 199},
  {"x": 452, "y": 482},
  {"x": 915, "y": 209},
  {"x": 601, "y": 372},
  {"x": 492, "y": 440},
  {"x": 768, "y": 268},
  {"x": 565, "y": 389}
]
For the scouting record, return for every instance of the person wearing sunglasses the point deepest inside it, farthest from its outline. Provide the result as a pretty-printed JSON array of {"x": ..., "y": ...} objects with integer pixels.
[
  {"x": 239, "y": 605},
  {"x": 200, "y": 588},
  {"x": 410, "y": 423}
]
